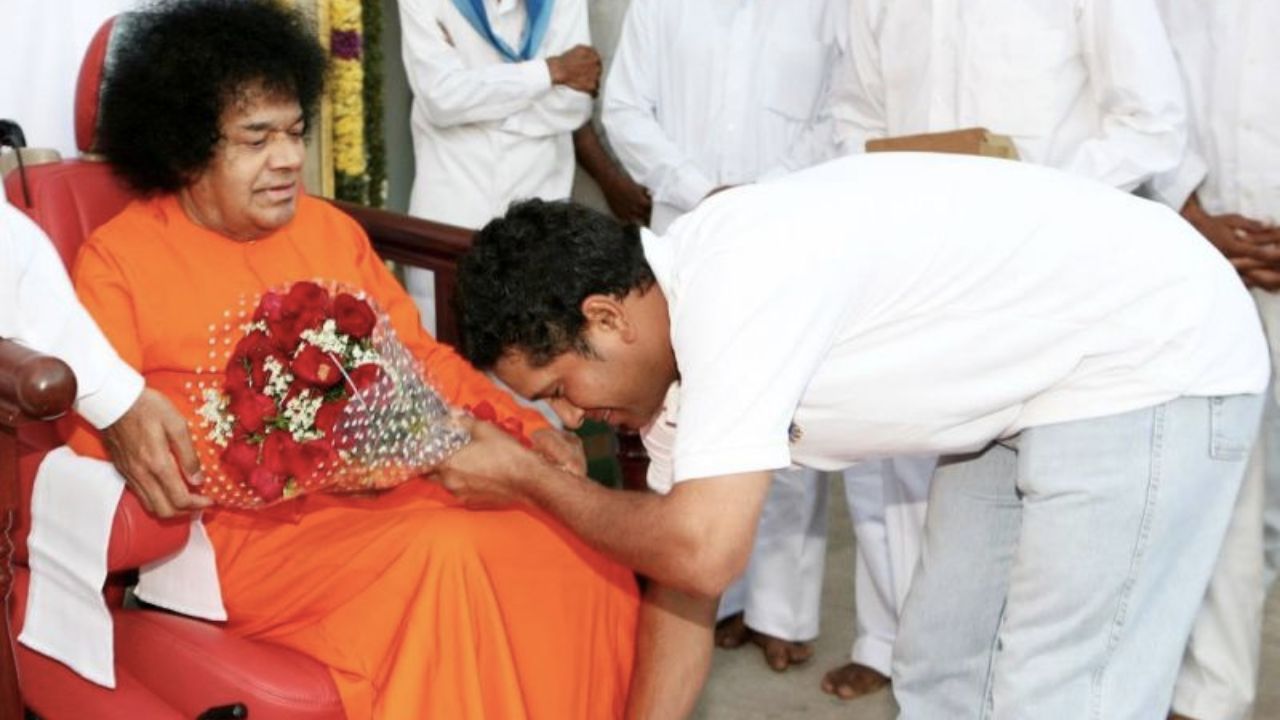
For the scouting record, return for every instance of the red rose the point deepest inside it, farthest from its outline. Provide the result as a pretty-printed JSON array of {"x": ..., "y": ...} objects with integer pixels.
[
  {"x": 484, "y": 411},
  {"x": 253, "y": 347},
  {"x": 269, "y": 306},
  {"x": 512, "y": 426},
  {"x": 353, "y": 316},
  {"x": 306, "y": 295},
  {"x": 365, "y": 376},
  {"x": 258, "y": 370},
  {"x": 310, "y": 458},
  {"x": 305, "y": 307},
  {"x": 239, "y": 459},
  {"x": 252, "y": 410},
  {"x": 237, "y": 381},
  {"x": 328, "y": 415},
  {"x": 278, "y": 452},
  {"x": 314, "y": 366},
  {"x": 267, "y": 484}
]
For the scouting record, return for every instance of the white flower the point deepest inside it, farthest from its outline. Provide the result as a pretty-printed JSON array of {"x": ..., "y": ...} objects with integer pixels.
[
  {"x": 359, "y": 355},
  {"x": 255, "y": 325},
  {"x": 327, "y": 338},
  {"x": 278, "y": 378},
  {"x": 216, "y": 418},
  {"x": 300, "y": 414}
]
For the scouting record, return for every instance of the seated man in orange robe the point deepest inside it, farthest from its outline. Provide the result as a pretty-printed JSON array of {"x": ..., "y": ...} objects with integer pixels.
[{"x": 420, "y": 607}]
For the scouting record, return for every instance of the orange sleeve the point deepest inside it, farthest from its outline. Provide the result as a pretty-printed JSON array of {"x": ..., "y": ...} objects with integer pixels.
[
  {"x": 455, "y": 378},
  {"x": 103, "y": 291}
]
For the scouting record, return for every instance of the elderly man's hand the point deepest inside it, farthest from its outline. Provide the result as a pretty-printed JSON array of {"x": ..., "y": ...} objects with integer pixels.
[
  {"x": 491, "y": 471},
  {"x": 143, "y": 445}
]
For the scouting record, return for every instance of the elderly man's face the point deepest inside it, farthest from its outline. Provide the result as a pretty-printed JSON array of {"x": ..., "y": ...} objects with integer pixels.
[{"x": 251, "y": 186}]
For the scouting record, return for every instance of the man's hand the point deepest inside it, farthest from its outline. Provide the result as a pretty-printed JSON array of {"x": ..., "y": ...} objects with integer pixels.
[
  {"x": 143, "y": 444},
  {"x": 578, "y": 67},
  {"x": 1248, "y": 245},
  {"x": 629, "y": 200},
  {"x": 561, "y": 448},
  {"x": 491, "y": 470}
]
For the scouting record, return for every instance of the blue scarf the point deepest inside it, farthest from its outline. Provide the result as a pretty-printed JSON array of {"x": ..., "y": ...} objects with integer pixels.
[{"x": 538, "y": 16}]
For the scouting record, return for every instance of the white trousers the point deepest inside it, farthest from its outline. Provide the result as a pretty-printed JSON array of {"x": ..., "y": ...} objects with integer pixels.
[
  {"x": 780, "y": 594},
  {"x": 1218, "y": 679},
  {"x": 420, "y": 283}
]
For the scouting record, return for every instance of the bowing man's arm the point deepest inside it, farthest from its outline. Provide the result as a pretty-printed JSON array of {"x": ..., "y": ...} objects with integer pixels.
[{"x": 695, "y": 539}]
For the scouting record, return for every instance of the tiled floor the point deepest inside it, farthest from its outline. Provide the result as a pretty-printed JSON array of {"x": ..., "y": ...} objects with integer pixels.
[{"x": 743, "y": 688}]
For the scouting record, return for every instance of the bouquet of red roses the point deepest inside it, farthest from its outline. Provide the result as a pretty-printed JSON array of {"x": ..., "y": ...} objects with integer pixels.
[{"x": 319, "y": 394}]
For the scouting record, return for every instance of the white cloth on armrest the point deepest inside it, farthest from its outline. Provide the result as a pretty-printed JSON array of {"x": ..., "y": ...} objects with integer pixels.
[
  {"x": 187, "y": 581},
  {"x": 73, "y": 506}
]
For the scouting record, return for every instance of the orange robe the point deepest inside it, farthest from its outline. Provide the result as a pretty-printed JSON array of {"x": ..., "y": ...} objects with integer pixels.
[{"x": 420, "y": 608}]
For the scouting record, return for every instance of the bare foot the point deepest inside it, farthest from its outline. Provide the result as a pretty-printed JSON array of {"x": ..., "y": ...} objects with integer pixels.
[
  {"x": 732, "y": 632},
  {"x": 781, "y": 654},
  {"x": 853, "y": 681}
]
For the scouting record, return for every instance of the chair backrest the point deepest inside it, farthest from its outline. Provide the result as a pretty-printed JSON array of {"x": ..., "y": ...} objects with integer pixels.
[{"x": 69, "y": 199}]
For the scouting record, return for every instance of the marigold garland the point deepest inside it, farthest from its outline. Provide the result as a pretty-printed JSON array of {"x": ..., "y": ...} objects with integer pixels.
[{"x": 347, "y": 98}]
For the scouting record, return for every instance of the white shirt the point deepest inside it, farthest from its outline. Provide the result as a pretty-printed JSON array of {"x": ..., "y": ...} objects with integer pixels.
[
  {"x": 487, "y": 132},
  {"x": 1227, "y": 51},
  {"x": 1086, "y": 86},
  {"x": 39, "y": 309},
  {"x": 946, "y": 301},
  {"x": 723, "y": 92}
]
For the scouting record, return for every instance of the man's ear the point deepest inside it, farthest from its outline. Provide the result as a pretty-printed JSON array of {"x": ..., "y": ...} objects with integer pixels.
[{"x": 606, "y": 313}]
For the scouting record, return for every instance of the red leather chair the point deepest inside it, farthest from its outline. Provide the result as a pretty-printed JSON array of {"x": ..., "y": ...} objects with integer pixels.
[{"x": 166, "y": 665}]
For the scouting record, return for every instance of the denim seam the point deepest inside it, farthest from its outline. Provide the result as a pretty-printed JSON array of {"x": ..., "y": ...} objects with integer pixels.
[
  {"x": 988, "y": 695},
  {"x": 1139, "y": 554}
]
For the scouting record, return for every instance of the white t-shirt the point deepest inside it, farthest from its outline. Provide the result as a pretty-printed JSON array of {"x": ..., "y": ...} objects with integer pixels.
[{"x": 946, "y": 301}]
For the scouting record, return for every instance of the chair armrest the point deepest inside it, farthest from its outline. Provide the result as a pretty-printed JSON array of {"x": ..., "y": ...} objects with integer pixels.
[
  {"x": 33, "y": 386},
  {"x": 420, "y": 243}
]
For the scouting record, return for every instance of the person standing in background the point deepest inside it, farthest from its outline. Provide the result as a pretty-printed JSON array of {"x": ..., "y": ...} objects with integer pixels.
[
  {"x": 1086, "y": 86},
  {"x": 704, "y": 96},
  {"x": 499, "y": 87},
  {"x": 1230, "y": 180}
]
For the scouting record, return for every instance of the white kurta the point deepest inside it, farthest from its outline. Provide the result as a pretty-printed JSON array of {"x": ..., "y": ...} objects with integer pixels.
[
  {"x": 705, "y": 94},
  {"x": 1087, "y": 86},
  {"x": 39, "y": 309},
  {"x": 1227, "y": 53},
  {"x": 486, "y": 131}
]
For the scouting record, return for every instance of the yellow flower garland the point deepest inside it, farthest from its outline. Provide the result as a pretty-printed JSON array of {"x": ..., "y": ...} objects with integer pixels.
[{"x": 347, "y": 96}]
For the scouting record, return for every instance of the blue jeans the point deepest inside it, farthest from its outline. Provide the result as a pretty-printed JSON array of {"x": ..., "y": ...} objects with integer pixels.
[{"x": 1062, "y": 569}]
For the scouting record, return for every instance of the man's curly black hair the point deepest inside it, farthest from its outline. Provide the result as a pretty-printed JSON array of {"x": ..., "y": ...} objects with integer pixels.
[
  {"x": 177, "y": 65},
  {"x": 522, "y": 284}
]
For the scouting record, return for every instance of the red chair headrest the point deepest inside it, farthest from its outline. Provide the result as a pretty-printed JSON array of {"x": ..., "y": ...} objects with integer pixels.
[{"x": 89, "y": 87}]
